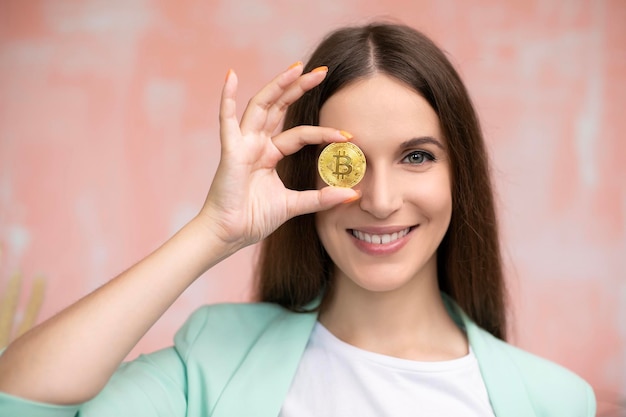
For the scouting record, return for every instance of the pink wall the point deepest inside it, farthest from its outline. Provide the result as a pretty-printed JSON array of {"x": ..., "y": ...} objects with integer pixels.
[{"x": 108, "y": 141}]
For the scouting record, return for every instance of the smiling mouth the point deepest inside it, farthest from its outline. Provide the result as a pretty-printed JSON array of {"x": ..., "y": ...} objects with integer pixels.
[{"x": 380, "y": 239}]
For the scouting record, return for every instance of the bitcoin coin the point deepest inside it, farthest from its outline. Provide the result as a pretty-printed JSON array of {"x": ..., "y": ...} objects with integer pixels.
[{"x": 341, "y": 164}]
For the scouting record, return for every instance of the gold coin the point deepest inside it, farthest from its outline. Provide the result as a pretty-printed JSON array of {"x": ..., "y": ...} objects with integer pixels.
[{"x": 341, "y": 164}]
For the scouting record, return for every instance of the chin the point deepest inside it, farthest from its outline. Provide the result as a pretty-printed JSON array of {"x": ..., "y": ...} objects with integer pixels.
[
  {"x": 381, "y": 278},
  {"x": 378, "y": 280}
]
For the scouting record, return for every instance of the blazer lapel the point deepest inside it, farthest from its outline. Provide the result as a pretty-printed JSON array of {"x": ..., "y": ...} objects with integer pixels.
[
  {"x": 261, "y": 383},
  {"x": 505, "y": 386}
]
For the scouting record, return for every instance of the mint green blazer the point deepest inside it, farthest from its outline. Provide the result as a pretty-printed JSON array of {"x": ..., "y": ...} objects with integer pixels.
[{"x": 237, "y": 360}]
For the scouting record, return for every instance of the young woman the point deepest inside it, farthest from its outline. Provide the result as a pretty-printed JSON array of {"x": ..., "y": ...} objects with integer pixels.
[{"x": 385, "y": 299}]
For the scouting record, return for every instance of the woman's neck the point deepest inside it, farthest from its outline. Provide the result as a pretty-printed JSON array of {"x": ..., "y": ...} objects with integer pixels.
[{"x": 411, "y": 322}]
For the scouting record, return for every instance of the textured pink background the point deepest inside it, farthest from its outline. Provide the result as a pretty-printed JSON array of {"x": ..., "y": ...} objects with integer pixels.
[{"x": 108, "y": 142}]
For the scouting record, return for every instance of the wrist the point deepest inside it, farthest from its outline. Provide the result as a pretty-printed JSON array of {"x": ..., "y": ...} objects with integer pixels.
[{"x": 212, "y": 241}]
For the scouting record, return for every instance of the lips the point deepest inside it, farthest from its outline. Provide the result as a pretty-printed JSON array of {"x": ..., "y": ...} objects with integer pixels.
[{"x": 380, "y": 239}]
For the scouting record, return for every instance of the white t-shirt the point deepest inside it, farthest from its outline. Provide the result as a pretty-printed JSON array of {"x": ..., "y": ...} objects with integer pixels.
[{"x": 336, "y": 379}]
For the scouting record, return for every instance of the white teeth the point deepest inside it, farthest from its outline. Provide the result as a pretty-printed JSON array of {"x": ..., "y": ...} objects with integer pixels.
[{"x": 380, "y": 239}]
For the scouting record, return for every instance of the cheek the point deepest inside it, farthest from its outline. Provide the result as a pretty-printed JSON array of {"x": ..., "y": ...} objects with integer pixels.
[
  {"x": 435, "y": 197},
  {"x": 326, "y": 225}
]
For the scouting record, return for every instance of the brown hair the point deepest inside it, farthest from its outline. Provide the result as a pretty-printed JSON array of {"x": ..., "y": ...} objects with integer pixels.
[{"x": 294, "y": 268}]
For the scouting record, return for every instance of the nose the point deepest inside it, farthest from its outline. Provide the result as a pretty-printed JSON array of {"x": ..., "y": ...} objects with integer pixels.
[{"x": 380, "y": 196}]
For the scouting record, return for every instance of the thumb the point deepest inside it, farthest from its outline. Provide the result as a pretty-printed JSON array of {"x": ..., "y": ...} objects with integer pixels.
[{"x": 318, "y": 200}]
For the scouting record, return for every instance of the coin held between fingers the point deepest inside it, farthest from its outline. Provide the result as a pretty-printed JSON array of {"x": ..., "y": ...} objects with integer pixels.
[{"x": 341, "y": 164}]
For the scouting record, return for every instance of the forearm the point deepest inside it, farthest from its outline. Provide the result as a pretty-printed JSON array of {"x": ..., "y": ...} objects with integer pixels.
[{"x": 69, "y": 358}]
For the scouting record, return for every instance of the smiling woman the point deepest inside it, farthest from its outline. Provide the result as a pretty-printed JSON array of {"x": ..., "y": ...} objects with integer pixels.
[
  {"x": 412, "y": 200},
  {"x": 420, "y": 77},
  {"x": 385, "y": 299}
]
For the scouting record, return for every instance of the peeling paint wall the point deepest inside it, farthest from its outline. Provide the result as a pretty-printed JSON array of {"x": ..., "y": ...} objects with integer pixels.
[{"x": 108, "y": 142}]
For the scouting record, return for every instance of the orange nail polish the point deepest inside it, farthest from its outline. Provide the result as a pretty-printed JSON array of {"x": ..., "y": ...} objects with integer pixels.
[
  {"x": 346, "y": 134},
  {"x": 323, "y": 68},
  {"x": 351, "y": 199},
  {"x": 230, "y": 71},
  {"x": 295, "y": 64}
]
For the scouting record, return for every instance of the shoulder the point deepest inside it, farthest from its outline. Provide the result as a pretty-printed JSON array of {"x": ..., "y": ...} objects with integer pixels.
[
  {"x": 521, "y": 383},
  {"x": 229, "y": 314},
  {"x": 233, "y": 320},
  {"x": 552, "y": 389},
  {"x": 226, "y": 349}
]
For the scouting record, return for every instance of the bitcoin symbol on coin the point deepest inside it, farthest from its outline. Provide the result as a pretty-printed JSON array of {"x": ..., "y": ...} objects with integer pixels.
[
  {"x": 347, "y": 164},
  {"x": 341, "y": 164}
]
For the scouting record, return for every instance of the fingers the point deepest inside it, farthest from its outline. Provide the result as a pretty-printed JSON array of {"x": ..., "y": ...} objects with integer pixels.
[
  {"x": 304, "y": 202},
  {"x": 292, "y": 140},
  {"x": 266, "y": 109},
  {"x": 229, "y": 125},
  {"x": 305, "y": 83}
]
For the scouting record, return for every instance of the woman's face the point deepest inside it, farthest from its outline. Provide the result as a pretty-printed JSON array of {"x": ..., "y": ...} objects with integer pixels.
[{"x": 388, "y": 239}]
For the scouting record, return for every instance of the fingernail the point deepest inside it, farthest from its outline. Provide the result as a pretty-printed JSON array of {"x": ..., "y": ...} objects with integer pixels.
[
  {"x": 354, "y": 198},
  {"x": 230, "y": 71},
  {"x": 295, "y": 64},
  {"x": 346, "y": 134},
  {"x": 323, "y": 68}
]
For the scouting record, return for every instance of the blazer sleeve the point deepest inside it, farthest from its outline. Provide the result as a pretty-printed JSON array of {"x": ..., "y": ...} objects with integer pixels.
[
  {"x": 153, "y": 385},
  {"x": 150, "y": 386}
]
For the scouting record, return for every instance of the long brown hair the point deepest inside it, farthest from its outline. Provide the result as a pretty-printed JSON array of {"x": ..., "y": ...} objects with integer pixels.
[{"x": 294, "y": 268}]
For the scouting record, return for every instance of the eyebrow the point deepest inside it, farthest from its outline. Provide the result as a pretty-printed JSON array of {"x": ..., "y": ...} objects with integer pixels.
[{"x": 421, "y": 141}]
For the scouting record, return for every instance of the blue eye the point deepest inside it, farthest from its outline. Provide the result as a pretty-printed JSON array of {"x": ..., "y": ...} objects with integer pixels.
[{"x": 418, "y": 158}]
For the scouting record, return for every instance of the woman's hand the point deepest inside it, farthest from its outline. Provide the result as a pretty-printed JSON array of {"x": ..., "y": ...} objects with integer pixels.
[
  {"x": 247, "y": 200},
  {"x": 64, "y": 361}
]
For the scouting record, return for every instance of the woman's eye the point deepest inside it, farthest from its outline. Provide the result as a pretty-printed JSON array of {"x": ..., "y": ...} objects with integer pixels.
[{"x": 418, "y": 157}]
